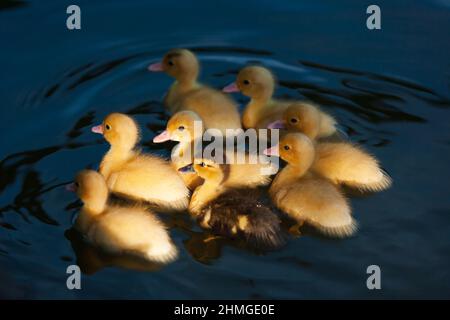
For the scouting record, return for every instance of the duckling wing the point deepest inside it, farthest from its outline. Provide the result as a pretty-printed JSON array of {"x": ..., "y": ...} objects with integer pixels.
[
  {"x": 136, "y": 231},
  {"x": 240, "y": 213},
  {"x": 249, "y": 175},
  {"x": 150, "y": 179},
  {"x": 319, "y": 203},
  {"x": 345, "y": 163},
  {"x": 214, "y": 108}
]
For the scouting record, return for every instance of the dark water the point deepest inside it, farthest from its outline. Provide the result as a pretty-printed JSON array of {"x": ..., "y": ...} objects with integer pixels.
[{"x": 389, "y": 89}]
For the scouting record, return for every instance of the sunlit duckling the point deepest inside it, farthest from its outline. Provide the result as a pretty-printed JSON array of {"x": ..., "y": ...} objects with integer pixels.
[
  {"x": 232, "y": 212},
  {"x": 187, "y": 128},
  {"x": 186, "y": 93},
  {"x": 340, "y": 162},
  {"x": 130, "y": 173},
  {"x": 118, "y": 229},
  {"x": 258, "y": 83},
  {"x": 305, "y": 196},
  {"x": 307, "y": 119}
]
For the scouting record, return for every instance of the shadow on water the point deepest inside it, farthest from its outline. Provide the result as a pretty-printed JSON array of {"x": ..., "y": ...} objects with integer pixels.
[{"x": 12, "y": 4}]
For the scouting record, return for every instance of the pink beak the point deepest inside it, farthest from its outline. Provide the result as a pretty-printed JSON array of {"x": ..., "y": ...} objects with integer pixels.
[
  {"x": 162, "y": 137},
  {"x": 232, "y": 87},
  {"x": 156, "y": 67},
  {"x": 277, "y": 124},
  {"x": 97, "y": 129},
  {"x": 71, "y": 187},
  {"x": 272, "y": 151}
]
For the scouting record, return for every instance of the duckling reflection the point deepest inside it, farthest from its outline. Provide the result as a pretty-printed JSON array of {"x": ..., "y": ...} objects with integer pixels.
[
  {"x": 130, "y": 173},
  {"x": 232, "y": 212},
  {"x": 181, "y": 128},
  {"x": 116, "y": 229},
  {"x": 304, "y": 195},
  {"x": 258, "y": 83},
  {"x": 186, "y": 93},
  {"x": 341, "y": 162}
]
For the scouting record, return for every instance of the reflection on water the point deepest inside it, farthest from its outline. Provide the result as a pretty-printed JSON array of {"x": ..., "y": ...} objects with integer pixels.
[
  {"x": 90, "y": 260},
  {"x": 403, "y": 119}
]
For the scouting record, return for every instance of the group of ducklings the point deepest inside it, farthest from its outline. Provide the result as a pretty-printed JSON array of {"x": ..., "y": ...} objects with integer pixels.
[{"x": 225, "y": 197}]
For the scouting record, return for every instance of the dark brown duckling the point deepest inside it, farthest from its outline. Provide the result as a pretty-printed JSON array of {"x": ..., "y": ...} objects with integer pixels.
[{"x": 233, "y": 212}]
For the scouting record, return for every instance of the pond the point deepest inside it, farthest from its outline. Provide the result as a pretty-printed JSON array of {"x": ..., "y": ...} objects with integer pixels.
[{"x": 388, "y": 88}]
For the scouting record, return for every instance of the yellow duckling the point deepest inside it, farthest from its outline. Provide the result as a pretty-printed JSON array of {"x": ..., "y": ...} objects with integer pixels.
[
  {"x": 258, "y": 83},
  {"x": 232, "y": 212},
  {"x": 119, "y": 229},
  {"x": 340, "y": 162},
  {"x": 305, "y": 118},
  {"x": 139, "y": 176},
  {"x": 305, "y": 196},
  {"x": 216, "y": 109},
  {"x": 181, "y": 128}
]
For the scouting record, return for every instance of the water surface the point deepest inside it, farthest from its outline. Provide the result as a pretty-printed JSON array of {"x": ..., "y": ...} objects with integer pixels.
[{"x": 389, "y": 90}]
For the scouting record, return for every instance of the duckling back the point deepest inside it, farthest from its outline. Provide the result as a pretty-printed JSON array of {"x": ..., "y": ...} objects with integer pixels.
[
  {"x": 135, "y": 231},
  {"x": 240, "y": 213},
  {"x": 149, "y": 178},
  {"x": 215, "y": 109},
  {"x": 345, "y": 163},
  {"x": 316, "y": 201}
]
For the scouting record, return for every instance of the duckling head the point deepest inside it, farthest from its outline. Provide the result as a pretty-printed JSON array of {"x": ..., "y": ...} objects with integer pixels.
[
  {"x": 183, "y": 126},
  {"x": 91, "y": 188},
  {"x": 295, "y": 148},
  {"x": 209, "y": 170},
  {"x": 299, "y": 117},
  {"x": 119, "y": 130},
  {"x": 254, "y": 82},
  {"x": 181, "y": 64}
]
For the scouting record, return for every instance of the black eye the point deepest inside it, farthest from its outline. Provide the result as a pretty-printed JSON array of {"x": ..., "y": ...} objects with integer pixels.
[
  {"x": 286, "y": 147},
  {"x": 246, "y": 82},
  {"x": 181, "y": 128},
  {"x": 108, "y": 127},
  {"x": 294, "y": 120},
  {"x": 170, "y": 63},
  {"x": 203, "y": 164},
  {"x": 77, "y": 184}
]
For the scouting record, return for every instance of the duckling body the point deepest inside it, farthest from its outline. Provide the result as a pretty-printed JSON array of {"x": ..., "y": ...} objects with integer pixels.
[
  {"x": 120, "y": 229},
  {"x": 233, "y": 212},
  {"x": 182, "y": 128},
  {"x": 304, "y": 195},
  {"x": 133, "y": 174},
  {"x": 258, "y": 83},
  {"x": 216, "y": 109},
  {"x": 348, "y": 164},
  {"x": 340, "y": 162}
]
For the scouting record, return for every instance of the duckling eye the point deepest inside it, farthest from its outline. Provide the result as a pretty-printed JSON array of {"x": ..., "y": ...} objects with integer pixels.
[
  {"x": 170, "y": 63},
  {"x": 294, "y": 120},
  {"x": 246, "y": 82},
  {"x": 287, "y": 147},
  {"x": 77, "y": 184},
  {"x": 181, "y": 128},
  {"x": 203, "y": 164},
  {"x": 108, "y": 127}
]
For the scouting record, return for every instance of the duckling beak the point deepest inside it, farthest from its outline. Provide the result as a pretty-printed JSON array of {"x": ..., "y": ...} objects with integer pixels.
[
  {"x": 155, "y": 67},
  {"x": 232, "y": 87},
  {"x": 277, "y": 124},
  {"x": 71, "y": 187},
  {"x": 97, "y": 129},
  {"x": 162, "y": 137},
  {"x": 187, "y": 169},
  {"x": 272, "y": 151}
]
